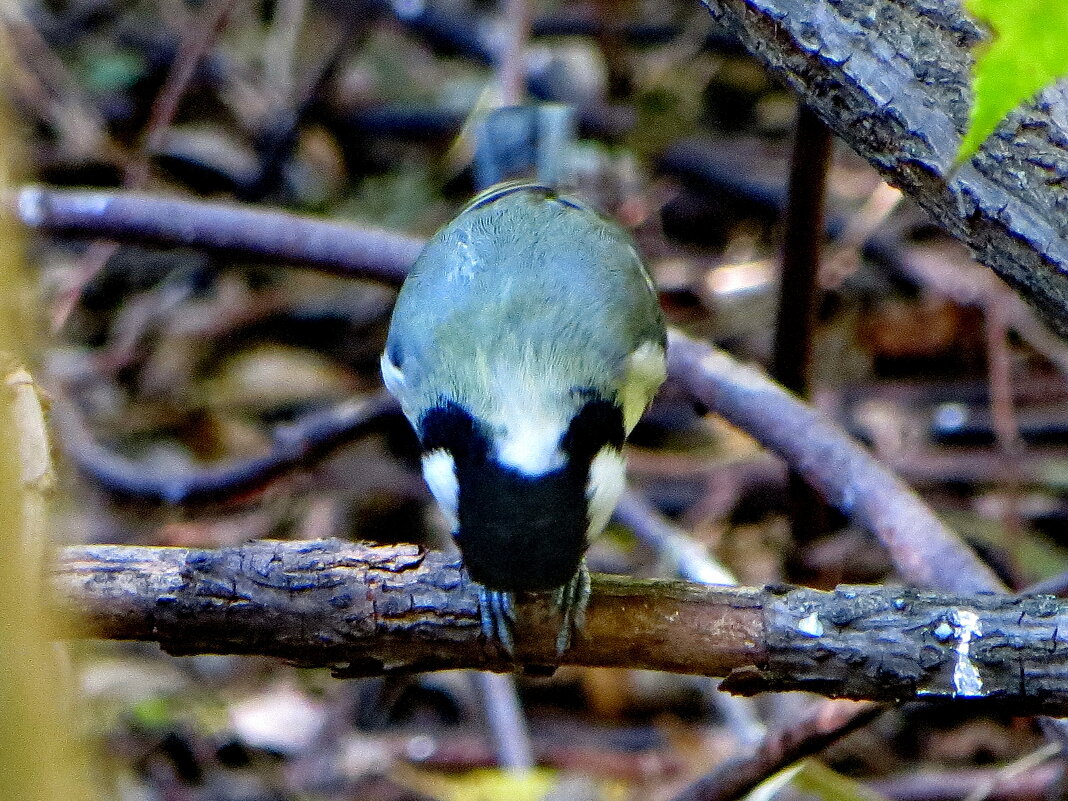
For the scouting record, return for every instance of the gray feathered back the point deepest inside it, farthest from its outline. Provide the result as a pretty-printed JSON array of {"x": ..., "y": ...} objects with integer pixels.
[{"x": 522, "y": 281}]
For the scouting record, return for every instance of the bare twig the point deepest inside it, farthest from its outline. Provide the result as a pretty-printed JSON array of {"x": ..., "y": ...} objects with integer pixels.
[
  {"x": 506, "y": 721},
  {"x": 191, "y": 50},
  {"x": 230, "y": 228},
  {"x": 512, "y": 56},
  {"x": 1003, "y": 413},
  {"x": 1036, "y": 784},
  {"x": 844, "y": 256},
  {"x": 43, "y": 79},
  {"x": 297, "y": 444},
  {"x": 1007, "y": 773},
  {"x": 951, "y": 273},
  {"x": 796, "y": 319},
  {"x": 791, "y": 364},
  {"x": 195, "y": 43},
  {"x": 280, "y": 48},
  {"x": 826, "y": 723},
  {"x": 676, "y": 549}
]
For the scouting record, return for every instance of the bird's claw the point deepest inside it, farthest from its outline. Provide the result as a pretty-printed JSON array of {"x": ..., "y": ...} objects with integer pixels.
[
  {"x": 570, "y": 601},
  {"x": 497, "y": 611}
]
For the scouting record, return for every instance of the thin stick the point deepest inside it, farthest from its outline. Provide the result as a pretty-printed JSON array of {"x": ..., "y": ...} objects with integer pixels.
[
  {"x": 798, "y": 291},
  {"x": 195, "y": 43},
  {"x": 810, "y": 163},
  {"x": 506, "y": 721},
  {"x": 280, "y": 48},
  {"x": 826, "y": 723},
  {"x": 241, "y": 230},
  {"x": 1003, "y": 413},
  {"x": 299, "y": 443},
  {"x": 512, "y": 58}
]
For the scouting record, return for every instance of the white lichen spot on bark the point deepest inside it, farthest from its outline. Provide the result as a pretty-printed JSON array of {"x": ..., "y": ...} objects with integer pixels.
[
  {"x": 810, "y": 625},
  {"x": 967, "y": 627}
]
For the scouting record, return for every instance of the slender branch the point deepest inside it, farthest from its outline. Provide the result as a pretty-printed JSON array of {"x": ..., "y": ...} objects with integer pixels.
[
  {"x": 512, "y": 57},
  {"x": 239, "y": 230},
  {"x": 823, "y": 725},
  {"x": 364, "y": 610},
  {"x": 299, "y": 443},
  {"x": 280, "y": 47},
  {"x": 791, "y": 364},
  {"x": 1039, "y": 782},
  {"x": 195, "y": 43},
  {"x": 1003, "y": 415},
  {"x": 676, "y": 550},
  {"x": 798, "y": 292},
  {"x": 925, "y": 552},
  {"x": 504, "y": 713},
  {"x": 953, "y": 274}
]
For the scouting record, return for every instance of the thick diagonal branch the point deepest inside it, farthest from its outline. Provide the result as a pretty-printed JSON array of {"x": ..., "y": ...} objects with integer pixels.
[
  {"x": 891, "y": 77},
  {"x": 924, "y": 551}
]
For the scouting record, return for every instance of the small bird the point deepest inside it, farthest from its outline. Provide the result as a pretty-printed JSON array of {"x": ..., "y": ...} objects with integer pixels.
[{"x": 525, "y": 344}]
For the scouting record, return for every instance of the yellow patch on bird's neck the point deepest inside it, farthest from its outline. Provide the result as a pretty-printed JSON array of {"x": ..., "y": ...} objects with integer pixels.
[{"x": 645, "y": 371}]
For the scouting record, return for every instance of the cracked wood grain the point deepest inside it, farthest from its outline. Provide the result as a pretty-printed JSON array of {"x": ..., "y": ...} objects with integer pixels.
[
  {"x": 891, "y": 78},
  {"x": 362, "y": 609}
]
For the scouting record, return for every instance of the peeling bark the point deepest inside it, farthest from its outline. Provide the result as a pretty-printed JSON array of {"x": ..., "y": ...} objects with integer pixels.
[
  {"x": 369, "y": 609},
  {"x": 891, "y": 78}
]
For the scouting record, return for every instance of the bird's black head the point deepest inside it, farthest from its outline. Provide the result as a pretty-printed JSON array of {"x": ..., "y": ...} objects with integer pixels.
[{"x": 519, "y": 531}]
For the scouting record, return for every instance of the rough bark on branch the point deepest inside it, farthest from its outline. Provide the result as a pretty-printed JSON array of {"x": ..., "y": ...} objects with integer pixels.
[
  {"x": 891, "y": 78},
  {"x": 362, "y": 609}
]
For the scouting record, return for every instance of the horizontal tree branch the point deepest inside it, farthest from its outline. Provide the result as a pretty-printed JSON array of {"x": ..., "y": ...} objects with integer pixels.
[
  {"x": 891, "y": 77},
  {"x": 239, "y": 230},
  {"x": 362, "y": 610}
]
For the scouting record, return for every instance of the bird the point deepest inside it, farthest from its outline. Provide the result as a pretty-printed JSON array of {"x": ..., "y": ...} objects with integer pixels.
[{"x": 525, "y": 343}]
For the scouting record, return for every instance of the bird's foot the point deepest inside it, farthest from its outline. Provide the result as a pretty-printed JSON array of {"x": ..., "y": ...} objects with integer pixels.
[
  {"x": 497, "y": 609},
  {"x": 571, "y": 601}
]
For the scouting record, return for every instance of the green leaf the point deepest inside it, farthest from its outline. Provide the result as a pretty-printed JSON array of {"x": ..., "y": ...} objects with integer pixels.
[
  {"x": 816, "y": 779},
  {"x": 1029, "y": 52}
]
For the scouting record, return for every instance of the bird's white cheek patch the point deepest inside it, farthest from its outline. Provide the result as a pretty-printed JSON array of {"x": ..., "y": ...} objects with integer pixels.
[
  {"x": 439, "y": 471},
  {"x": 607, "y": 477},
  {"x": 392, "y": 377}
]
